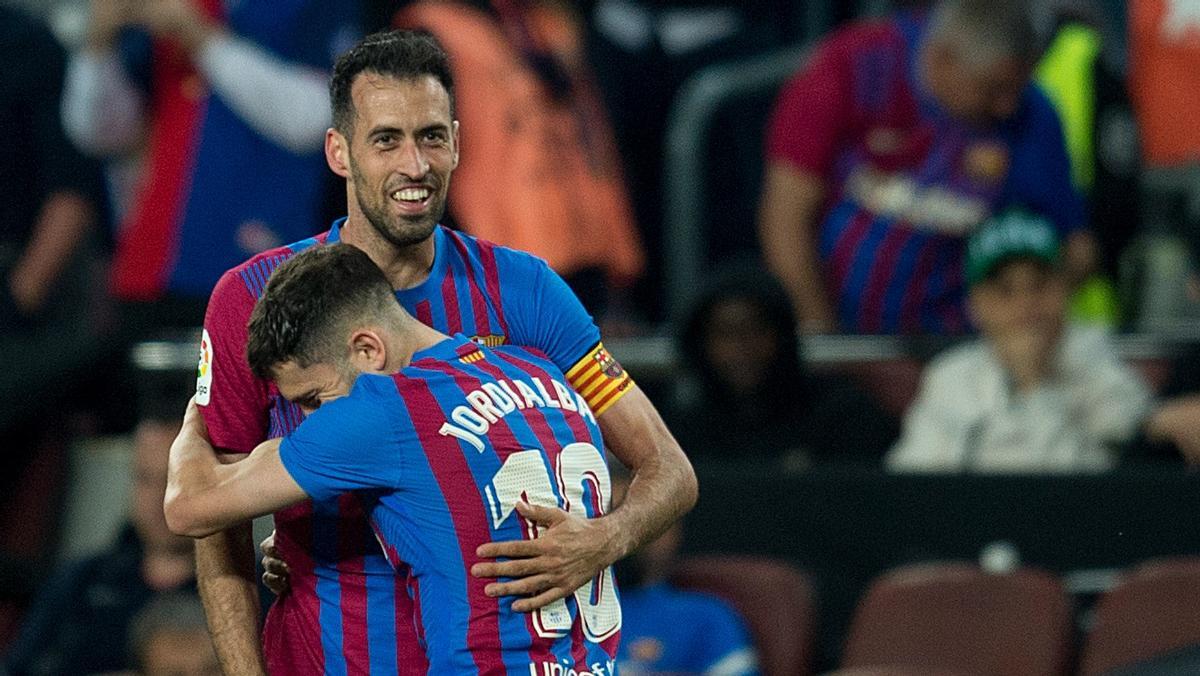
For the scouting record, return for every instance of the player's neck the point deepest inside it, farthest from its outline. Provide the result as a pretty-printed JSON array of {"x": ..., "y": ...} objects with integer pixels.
[
  {"x": 414, "y": 338},
  {"x": 404, "y": 267}
]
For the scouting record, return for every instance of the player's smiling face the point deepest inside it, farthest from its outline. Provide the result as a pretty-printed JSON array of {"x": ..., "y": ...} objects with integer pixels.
[
  {"x": 403, "y": 150},
  {"x": 310, "y": 386}
]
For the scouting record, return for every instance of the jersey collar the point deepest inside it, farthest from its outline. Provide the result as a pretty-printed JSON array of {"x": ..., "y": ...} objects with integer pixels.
[
  {"x": 445, "y": 350},
  {"x": 335, "y": 231}
]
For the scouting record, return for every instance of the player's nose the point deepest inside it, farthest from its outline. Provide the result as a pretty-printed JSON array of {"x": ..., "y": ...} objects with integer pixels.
[{"x": 411, "y": 161}]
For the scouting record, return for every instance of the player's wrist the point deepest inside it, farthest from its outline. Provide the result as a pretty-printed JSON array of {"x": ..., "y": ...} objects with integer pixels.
[{"x": 616, "y": 537}]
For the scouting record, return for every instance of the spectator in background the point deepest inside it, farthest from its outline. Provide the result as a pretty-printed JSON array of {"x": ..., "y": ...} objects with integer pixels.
[
  {"x": 666, "y": 630},
  {"x": 542, "y": 172},
  {"x": 1032, "y": 394},
  {"x": 895, "y": 140},
  {"x": 50, "y": 200},
  {"x": 753, "y": 398},
  {"x": 80, "y": 620},
  {"x": 230, "y": 100},
  {"x": 170, "y": 638}
]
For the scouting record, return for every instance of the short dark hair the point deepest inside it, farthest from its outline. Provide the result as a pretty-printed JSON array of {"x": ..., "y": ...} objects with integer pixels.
[
  {"x": 401, "y": 54},
  {"x": 310, "y": 302}
]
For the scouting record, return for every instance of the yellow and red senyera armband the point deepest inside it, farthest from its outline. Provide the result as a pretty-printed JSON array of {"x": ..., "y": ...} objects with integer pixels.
[{"x": 599, "y": 379}]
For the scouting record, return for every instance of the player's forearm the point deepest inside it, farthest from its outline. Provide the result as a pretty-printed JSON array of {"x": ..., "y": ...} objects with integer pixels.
[
  {"x": 191, "y": 472},
  {"x": 663, "y": 487},
  {"x": 205, "y": 496},
  {"x": 225, "y": 577},
  {"x": 661, "y": 492}
]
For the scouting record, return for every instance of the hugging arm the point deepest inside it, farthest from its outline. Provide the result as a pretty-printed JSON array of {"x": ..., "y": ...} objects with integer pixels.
[{"x": 205, "y": 496}]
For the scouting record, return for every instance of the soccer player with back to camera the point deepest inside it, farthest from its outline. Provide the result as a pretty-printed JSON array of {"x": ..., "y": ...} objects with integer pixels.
[
  {"x": 396, "y": 142},
  {"x": 447, "y": 442}
]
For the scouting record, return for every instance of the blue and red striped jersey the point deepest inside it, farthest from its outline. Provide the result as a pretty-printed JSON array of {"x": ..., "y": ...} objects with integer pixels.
[
  {"x": 905, "y": 181},
  {"x": 348, "y": 612},
  {"x": 441, "y": 452}
]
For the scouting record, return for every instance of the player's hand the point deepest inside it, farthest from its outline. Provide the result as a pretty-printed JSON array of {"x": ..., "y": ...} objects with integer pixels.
[
  {"x": 276, "y": 575},
  {"x": 571, "y": 551}
]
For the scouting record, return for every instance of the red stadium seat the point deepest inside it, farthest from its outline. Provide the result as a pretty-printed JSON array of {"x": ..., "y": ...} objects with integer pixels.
[
  {"x": 1153, "y": 610},
  {"x": 775, "y": 599},
  {"x": 954, "y": 618}
]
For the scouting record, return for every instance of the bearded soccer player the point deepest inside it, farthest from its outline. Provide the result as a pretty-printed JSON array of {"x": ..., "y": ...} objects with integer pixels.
[
  {"x": 441, "y": 437},
  {"x": 396, "y": 142}
]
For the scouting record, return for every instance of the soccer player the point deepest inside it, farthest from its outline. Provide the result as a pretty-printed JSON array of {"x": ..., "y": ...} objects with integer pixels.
[
  {"x": 396, "y": 142},
  {"x": 441, "y": 437}
]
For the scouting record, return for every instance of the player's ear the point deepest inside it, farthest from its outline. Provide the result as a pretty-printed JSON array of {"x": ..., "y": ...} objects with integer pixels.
[
  {"x": 337, "y": 152},
  {"x": 455, "y": 137},
  {"x": 368, "y": 353}
]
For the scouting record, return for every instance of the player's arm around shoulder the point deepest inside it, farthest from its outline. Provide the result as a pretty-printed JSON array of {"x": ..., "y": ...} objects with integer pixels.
[{"x": 205, "y": 496}]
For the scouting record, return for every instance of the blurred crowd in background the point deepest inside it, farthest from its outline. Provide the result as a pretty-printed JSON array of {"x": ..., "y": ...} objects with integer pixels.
[{"x": 745, "y": 195}]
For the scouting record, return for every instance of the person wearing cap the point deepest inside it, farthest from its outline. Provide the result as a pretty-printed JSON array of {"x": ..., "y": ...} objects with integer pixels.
[{"x": 1031, "y": 394}]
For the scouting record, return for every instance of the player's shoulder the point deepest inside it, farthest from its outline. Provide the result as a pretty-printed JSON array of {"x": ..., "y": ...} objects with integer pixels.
[
  {"x": 254, "y": 272},
  {"x": 508, "y": 261},
  {"x": 532, "y": 355}
]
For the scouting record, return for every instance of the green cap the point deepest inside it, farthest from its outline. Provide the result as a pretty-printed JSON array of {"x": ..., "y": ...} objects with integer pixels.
[{"x": 1014, "y": 233}]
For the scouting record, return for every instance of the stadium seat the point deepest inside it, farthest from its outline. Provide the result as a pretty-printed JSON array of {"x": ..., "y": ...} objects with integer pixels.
[
  {"x": 954, "y": 618},
  {"x": 1153, "y": 610},
  {"x": 774, "y": 597}
]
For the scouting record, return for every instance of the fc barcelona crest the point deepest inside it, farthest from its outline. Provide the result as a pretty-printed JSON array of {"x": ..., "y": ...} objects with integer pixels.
[{"x": 608, "y": 365}]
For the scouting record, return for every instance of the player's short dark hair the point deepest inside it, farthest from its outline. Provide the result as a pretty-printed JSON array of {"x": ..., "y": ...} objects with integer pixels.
[
  {"x": 310, "y": 302},
  {"x": 401, "y": 54}
]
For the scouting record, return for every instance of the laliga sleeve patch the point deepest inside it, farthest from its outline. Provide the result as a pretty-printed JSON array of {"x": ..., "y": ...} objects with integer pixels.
[
  {"x": 599, "y": 379},
  {"x": 204, "y": 370}
]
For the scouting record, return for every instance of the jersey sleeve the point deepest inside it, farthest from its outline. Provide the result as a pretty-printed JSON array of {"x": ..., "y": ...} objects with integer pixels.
[
  {"x": 810, "y": 113},
  {"x": 346, "y": 445},
  {"x": 556, "y": 323},
  {"x": 234, "y": 402}
]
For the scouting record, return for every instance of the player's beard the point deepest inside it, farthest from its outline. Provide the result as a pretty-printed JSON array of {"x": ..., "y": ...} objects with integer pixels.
[{"x": 399, "y": 231}]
